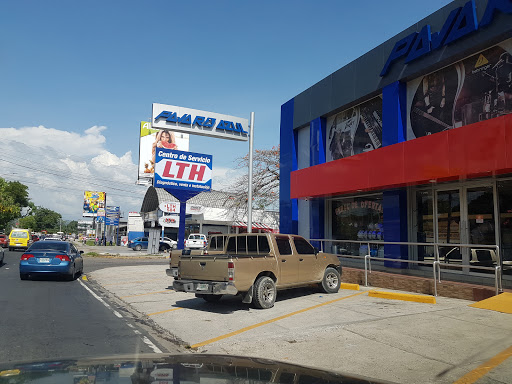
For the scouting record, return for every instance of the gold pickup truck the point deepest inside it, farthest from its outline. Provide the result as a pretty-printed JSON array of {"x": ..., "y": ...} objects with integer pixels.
[{"x": 255, "y": 266}]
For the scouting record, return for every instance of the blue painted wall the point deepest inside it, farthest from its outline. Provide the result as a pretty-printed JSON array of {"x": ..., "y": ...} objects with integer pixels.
[
  {"x": 394, "y": 202},
  {"x": 288, "y": 209},
  {"x": 317, "y": 156}
]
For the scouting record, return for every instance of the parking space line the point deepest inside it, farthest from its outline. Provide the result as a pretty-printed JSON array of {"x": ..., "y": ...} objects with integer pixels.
[
  {"x": 270, "y": 321},
  {"x": 485, "y": 368},
  {"x": 129, "y": 282},
  {"x": 167, "y": 310},
  {"x": 144, "y": 294}
]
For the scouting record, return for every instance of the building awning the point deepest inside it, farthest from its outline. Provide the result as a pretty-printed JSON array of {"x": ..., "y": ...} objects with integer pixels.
[{"x": 255, "y": 225}]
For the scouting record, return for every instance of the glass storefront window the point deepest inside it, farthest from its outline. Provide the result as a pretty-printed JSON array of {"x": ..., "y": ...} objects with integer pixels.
[
  {"x": 505, "y": 198},
  {"x": 358, "y": 219},
  {"x": 425, "y": 224}
]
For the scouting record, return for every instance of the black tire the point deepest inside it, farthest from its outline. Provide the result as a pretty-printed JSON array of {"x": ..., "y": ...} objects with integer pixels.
[
  {"x": 210, "y": 298},
  {"x": 138, "y": 247},
  {"x": 10, "y": 248},
  {"x": 71, "y": 276},
  {"x": 264, "y": 293},
  {"x": 163, "y": 248},
  {"x": 24, "y": 276},
  {"x": 331, "y": 281}
]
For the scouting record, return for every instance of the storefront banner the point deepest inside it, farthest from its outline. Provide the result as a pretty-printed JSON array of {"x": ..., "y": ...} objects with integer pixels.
[
  {"x": 183, "y": 170},
  {"x": 152, "y": 139},
  {"x": 94, "y": 204},
  {"x": 475, "y": 89},
  {"x": 198, "y": 122},
  {"x": 169, "y": 221},
  {"x": 355, "y": 130},
  {"x": 174, "y": 207},
  {"x": 112, "y": 215}
]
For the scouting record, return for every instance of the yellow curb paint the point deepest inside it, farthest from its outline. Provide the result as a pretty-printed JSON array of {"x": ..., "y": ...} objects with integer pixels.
[
  {"x": 84, "y": 278},
  {"x": 500, "y": 303},
  {"x": 144, "y": 294},
  {"x": 403, "y": 297},
  {"x": 482, "y": 370},
  {"x": 353, "y": 287},
  {"x": 167, "y": 310},
  {"x": 129, "y": 282},
  {"x": 270, "y": 321}
]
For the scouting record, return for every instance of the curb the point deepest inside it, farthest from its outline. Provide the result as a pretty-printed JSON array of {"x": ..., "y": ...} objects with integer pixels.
[
  {"x": 353, "y": 287},
  {"x": 403, "y": 297}
]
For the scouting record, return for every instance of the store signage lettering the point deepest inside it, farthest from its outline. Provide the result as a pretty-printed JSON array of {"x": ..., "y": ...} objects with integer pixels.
[
  {"x": 200, "y": 121},
  {"x": 183, "y": 170},
  {"x": 363, "y": 204},
  {"x": 459, "y": 23}
]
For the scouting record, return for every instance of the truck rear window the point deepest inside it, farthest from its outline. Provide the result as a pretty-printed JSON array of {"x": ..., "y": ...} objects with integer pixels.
[{"x": 251, "y": 244}]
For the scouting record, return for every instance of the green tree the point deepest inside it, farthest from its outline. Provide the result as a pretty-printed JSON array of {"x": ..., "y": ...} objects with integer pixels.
[
  {"x": 70, "y": 226},
  {"x": 28, "y": 222},
  {"x": 46, "y": 219},
  {"x": 13, "y": 196}
]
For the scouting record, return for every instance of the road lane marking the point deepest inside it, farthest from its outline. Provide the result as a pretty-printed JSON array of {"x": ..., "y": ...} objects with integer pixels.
[
  {"x": 101, "y": 300},
  {"x": 167, "y": 310},
  {"x": 482, "y": 370},
  {"x": 143, "y": 294},
  {"x": 150, "y": 344},
  {"x": 270, "y": 321}
]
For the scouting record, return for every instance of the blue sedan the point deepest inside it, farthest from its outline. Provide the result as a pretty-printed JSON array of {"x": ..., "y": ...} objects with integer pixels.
[{"x": 51, "y": 257}]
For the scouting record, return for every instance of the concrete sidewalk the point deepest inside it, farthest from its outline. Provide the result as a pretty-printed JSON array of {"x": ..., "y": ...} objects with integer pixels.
[{"x": 116, "y": 250}]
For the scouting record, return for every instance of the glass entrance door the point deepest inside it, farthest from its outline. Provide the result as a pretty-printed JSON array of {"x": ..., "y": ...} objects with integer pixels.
[
  {"x": 481, "y": 224},
  {"x": 449, "y": 225},
  {"x": 466, "y": 215}
]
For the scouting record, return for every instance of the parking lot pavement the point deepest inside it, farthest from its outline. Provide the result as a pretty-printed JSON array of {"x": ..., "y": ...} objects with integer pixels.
[{"x": 348, "y": 331}]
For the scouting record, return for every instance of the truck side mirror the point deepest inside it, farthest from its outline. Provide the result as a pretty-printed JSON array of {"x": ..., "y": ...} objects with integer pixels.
[{"x": 316, "y": 250}]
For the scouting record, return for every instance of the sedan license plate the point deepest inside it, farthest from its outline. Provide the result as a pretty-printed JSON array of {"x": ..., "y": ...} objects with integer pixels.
[
  {"x": 44, "y": 260},
  {"x": 202, "y": 287}
]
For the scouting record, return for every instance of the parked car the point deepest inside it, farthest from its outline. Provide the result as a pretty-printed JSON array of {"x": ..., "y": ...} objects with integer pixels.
[
  {"x": 256, "y": 266},
  {"x": 196, "y": 241},
  {"x": 173, "y": 244},
  {"x": 51, "y": 257},
  {"x": 2, "y": 255},
  {"x": 142, "y": 243},
  {"x": 19, "y": 239},
  {"x": 4, "y": 241}
]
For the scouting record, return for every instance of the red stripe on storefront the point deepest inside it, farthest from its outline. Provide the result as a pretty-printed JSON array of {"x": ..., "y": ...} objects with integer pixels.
[{"x": 475, "y": 150}]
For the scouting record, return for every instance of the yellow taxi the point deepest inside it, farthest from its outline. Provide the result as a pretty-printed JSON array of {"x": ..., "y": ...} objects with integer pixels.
[{"x": 19, "y": 239}]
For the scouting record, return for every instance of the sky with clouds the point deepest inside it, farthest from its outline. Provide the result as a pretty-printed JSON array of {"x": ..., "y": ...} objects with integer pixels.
[{"x": 76, "y": 79}]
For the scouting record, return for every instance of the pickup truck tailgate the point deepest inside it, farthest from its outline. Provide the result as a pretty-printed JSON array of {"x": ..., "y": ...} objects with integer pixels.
[{"x": 207, "y": 268}]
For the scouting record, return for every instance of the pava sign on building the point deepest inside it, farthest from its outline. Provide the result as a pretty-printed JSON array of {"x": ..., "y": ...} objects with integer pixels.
[
  {"x": 183, "y": 170},
  {"x": 198, "y": 122}
]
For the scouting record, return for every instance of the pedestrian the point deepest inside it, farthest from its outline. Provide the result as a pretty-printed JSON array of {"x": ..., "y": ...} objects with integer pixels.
[
  {"x": 97, "y": 241},
  {"x": 103, "y": 240},
  {"x": 110, "y": 239}
]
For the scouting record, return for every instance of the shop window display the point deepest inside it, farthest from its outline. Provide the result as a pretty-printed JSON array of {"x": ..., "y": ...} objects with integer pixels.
[{"x": 358, "y": 219}]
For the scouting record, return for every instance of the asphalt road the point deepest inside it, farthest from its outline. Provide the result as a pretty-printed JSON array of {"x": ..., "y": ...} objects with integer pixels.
[{"x": 49, "y": 318}]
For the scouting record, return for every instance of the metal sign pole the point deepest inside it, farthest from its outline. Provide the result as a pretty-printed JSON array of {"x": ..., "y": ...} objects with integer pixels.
[{"x": 249, "y": 197}]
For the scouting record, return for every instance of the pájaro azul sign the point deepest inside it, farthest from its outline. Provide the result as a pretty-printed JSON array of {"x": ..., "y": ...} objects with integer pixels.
[
  {"x": 461, "y": 22},
  {"x": 198, "y": 122}
]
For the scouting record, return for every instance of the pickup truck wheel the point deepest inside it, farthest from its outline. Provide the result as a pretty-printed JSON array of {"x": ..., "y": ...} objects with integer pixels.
[
  {"x": 331, "y": 281},
  {"x": 264, "y": 293},
  {"x": 210, "y": 298}
]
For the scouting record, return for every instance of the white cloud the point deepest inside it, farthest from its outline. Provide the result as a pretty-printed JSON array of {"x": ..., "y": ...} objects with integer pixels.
[
  {"x": 46, "y": 160},
  {"x": 222, "y": 177}
]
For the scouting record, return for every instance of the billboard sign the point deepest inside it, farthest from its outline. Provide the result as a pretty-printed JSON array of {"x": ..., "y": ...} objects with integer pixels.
[
  {"x": 94, "y": 204},
  {"x": 355, "y": 130},
  {"x": 198, "y": 122},
  {"x": 152, "y": 139},
  {"x": 172, "y": 221},
  {"x": 475, "y": 89},
  {"x": 112, "y": 215},
  {"x": 183, "y": 170}
]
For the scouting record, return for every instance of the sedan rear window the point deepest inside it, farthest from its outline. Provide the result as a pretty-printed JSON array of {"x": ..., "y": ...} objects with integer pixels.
[{"x": 49, "y": 246}]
